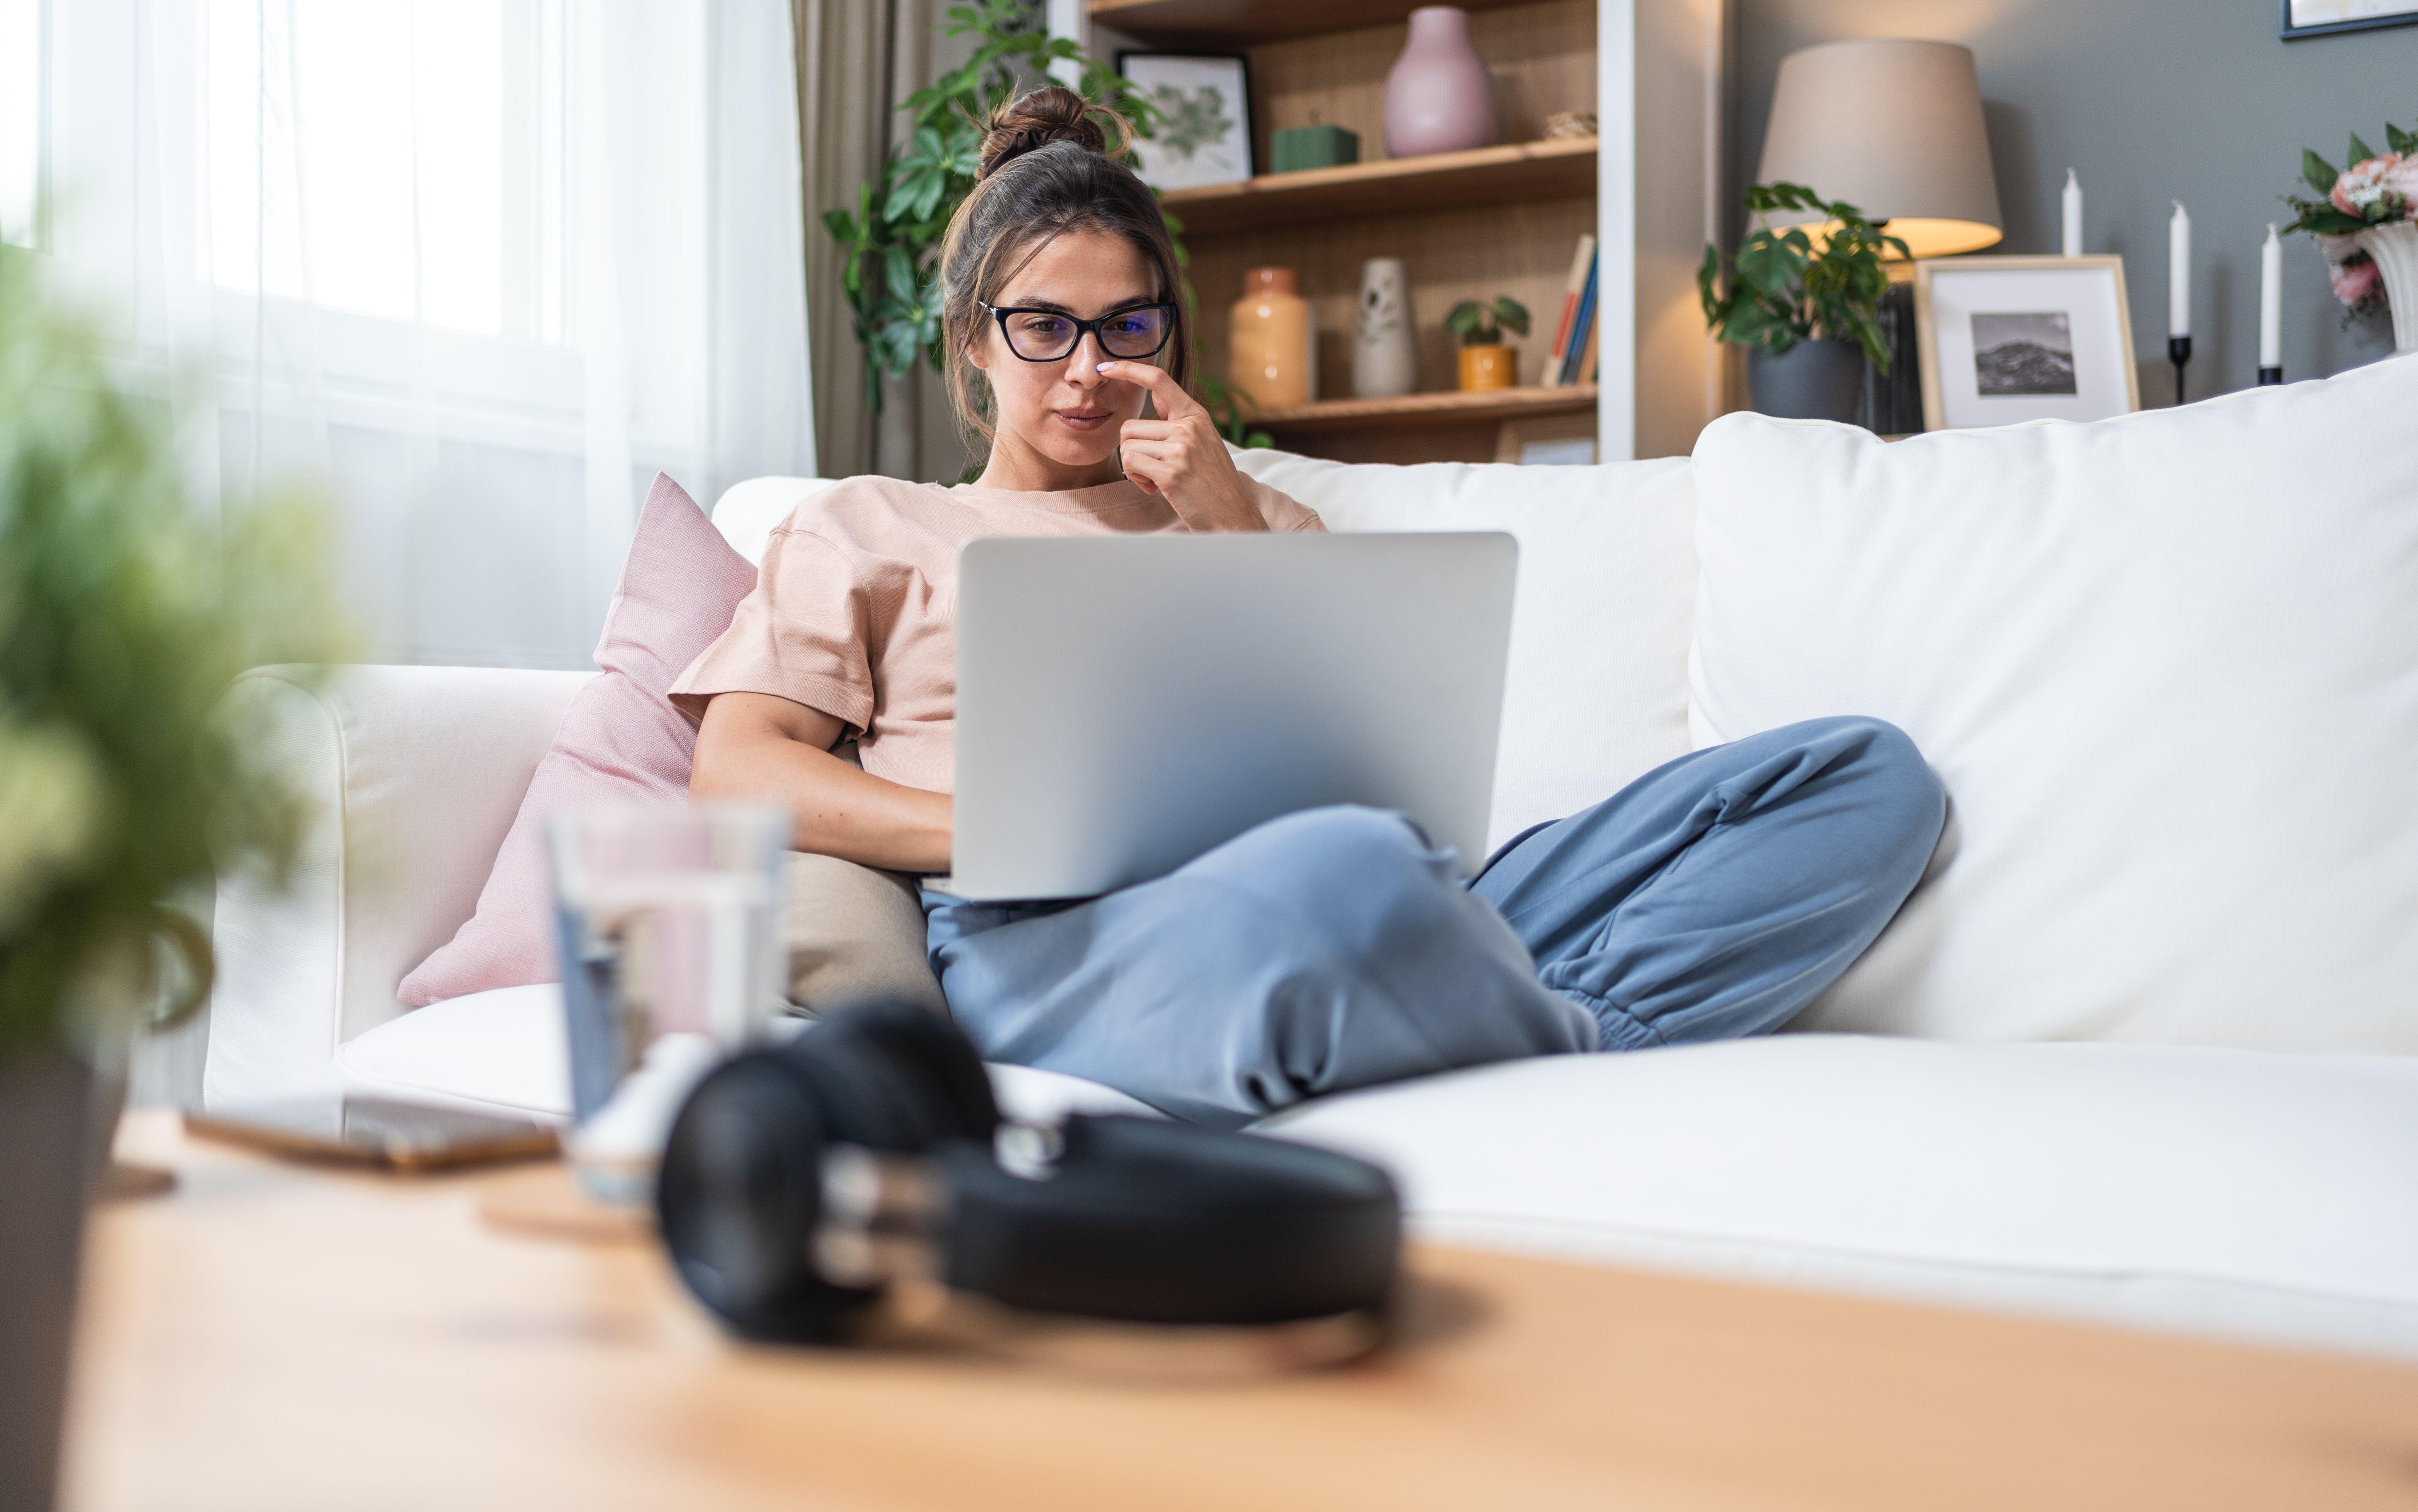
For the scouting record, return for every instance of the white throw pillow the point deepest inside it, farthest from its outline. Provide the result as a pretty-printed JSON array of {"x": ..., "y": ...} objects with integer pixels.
[
  {"x": 2167, "y": 667},
  {"x": 1598, "y": 689}
]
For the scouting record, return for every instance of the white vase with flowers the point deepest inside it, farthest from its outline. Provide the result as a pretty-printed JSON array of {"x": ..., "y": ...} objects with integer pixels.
[{"x": 2366, "y": 224}]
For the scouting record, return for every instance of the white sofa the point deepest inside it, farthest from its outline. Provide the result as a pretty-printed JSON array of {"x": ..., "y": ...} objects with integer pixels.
[{"x": 2256, "y": 1194}]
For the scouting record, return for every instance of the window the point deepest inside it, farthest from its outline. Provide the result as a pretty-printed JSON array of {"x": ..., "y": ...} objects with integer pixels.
[
  {"x": 24, "y": 120},
  {"x": 403, "y": 159},
  {"x": 475, "y": 268}
]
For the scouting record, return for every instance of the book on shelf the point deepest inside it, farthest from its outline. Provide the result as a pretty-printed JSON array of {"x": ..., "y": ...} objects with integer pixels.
[
  {"x": 1581, "y": 330},
  {"x": 1587, "y": 355},
  {"x": 1581, "y": 260}
]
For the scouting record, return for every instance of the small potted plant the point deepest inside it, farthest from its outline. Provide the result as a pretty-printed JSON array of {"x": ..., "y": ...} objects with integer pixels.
[
  {"x": 1486, "y": 362},
  {"x": 124, "y": 613},
  {"x": 1807, "y": 310}
]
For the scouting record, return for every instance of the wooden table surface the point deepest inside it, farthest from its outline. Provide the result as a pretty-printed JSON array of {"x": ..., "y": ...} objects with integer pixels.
[{"x": 276, "y": 1336}]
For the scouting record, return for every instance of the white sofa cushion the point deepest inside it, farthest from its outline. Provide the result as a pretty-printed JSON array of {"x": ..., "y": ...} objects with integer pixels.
[
  {"x": 2167, "y": 667},
  {"x": 1596, "y": 692},
  {"x": 504, "y": 1052},
  {"x": 2231, "y": 1192},
  {"x": 2214, "y": 1191}
]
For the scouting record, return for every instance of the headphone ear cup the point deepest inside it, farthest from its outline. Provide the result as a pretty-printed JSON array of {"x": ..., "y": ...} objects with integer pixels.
[
  {"x": 740, "y": 1191},
  {"x": 738, "y": 1197}
]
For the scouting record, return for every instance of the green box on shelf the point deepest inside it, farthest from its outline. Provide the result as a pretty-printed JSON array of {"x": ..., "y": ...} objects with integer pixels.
[{"x": 1314, "y": 147}]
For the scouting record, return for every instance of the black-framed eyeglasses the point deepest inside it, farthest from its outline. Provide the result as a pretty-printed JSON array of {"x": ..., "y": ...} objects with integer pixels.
[{"x": 1132, "y": 333}]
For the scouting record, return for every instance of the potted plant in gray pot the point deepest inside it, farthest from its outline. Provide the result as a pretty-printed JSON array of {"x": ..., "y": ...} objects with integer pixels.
[
  {"x": 1807, "y": 311},
  {"x": 124, "y": 613}
]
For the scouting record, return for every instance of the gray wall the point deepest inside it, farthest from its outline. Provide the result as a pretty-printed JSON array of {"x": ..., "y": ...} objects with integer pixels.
[{"x": 2149, "y": 100}]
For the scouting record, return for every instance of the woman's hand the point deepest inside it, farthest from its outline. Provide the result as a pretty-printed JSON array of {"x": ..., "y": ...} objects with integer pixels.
[{"x": 1181, "y": 456}]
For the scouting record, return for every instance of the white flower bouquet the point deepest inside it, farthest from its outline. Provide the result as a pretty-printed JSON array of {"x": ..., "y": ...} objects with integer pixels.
[{"x": 2377, "y": 190}]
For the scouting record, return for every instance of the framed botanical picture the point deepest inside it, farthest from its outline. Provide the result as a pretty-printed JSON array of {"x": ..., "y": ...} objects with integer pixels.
[
  {"x": 1204, "y": 105},
  {"x": 2009, "y": 339},
  {"x": 2320, "y": 18}
]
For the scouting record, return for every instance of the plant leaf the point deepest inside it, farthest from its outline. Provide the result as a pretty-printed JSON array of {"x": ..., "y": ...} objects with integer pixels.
[
  {"x": 1707, "y": 289},
  {"x": 2360, "y": 152},
  {"x": 2325, "y": 221},
  {"x": 2399, "y": 139},
  {"x": 2316, "y": 173}
]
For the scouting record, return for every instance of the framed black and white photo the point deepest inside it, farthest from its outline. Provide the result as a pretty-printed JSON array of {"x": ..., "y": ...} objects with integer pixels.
[
  {"x": 1204, "y": 106},
  {"x": 2322, "y": 18},
  {"x": 2009, "y": 339}
]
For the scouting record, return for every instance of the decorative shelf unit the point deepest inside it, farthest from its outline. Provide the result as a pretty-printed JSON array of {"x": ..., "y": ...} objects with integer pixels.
[
  {"x": 1450, "y": 406},
  {"x": 1509, "y": 175},
  {"x": 1467, "y": 225}
]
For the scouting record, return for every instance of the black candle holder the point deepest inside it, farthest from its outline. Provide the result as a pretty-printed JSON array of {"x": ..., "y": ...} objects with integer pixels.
[
  {"x": 2178, "y": 351},
  {"x": 2269, "y": 376}
]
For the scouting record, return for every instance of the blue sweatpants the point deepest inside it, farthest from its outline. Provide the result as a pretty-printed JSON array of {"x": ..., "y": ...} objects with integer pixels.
[{"x": 1712, "y": 898}]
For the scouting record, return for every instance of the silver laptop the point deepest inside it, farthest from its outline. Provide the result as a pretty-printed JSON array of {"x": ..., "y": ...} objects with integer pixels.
[{"x": 1126, "y": 703}]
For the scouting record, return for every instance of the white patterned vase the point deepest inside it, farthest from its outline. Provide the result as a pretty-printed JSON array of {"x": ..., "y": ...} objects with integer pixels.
[
  {"x": 1384, "y": 343},
  {"x": 2395, "y": 246}
]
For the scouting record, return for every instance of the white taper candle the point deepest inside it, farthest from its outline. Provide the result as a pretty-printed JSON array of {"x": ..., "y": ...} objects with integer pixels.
[
  {"x": 2071, "y": 245},
  {"x": 2179, "y": 272},
  {"x": 2271, "y": 301}
]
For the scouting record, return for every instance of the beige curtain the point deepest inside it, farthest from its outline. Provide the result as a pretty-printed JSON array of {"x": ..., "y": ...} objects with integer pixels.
[{"x": 857, "y": 60}]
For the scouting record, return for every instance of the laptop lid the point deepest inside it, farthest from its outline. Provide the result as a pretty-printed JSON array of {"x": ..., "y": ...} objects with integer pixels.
[{"x": 1126, "y": 703}]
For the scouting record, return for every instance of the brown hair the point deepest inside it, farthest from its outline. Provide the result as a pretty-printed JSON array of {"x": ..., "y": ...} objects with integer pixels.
[{"x": 1046, "y": 169}]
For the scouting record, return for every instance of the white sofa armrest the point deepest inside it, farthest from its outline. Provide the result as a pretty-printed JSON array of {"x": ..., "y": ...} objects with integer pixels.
[{"x": 414, "y": 774}]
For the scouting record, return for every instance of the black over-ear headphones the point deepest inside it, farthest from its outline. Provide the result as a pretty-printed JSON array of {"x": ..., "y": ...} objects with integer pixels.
[{"x": 801, "y": 1180}]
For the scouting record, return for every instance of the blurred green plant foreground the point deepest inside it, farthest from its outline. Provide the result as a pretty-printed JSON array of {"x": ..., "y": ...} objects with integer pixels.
[{"x": 124, "y": 614}]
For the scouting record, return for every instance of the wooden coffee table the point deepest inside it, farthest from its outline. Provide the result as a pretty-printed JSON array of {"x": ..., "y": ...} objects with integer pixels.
[{"x": 274, "y": 1336}]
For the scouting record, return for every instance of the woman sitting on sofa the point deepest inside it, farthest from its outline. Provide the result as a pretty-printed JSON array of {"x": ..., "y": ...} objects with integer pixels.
[{"x": 1711, "y": 898}]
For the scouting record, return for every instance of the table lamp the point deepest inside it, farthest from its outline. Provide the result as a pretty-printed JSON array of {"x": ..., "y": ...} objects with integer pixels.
[{"x": 1892, "y": 128}]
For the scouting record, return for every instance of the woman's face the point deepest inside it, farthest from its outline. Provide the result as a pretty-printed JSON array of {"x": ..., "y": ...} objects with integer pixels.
[{"x": 1064, "y": 410}]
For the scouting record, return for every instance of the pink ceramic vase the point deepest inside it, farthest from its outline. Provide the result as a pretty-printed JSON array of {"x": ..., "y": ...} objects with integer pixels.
[{"x": 1439, "y": 97}]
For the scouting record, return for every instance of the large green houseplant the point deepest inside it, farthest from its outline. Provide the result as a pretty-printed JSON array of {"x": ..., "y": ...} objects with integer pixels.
[
  {"x": 892, "y": 237},
  {"x": 123, "y": 615},
  {"x": 1808, "y": 310}
]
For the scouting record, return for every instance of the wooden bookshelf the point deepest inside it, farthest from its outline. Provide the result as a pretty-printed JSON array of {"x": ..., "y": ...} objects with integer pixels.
[
  {"x": 1235, "y": 22},
  {"x": 1492, "y": 221},
  {"x": 1448, "y": 407},
  {"x": 1509, "y": 175}
]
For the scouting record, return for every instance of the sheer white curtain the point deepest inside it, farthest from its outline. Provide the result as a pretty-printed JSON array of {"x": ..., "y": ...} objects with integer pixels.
[{"x": 478, "y": 267}]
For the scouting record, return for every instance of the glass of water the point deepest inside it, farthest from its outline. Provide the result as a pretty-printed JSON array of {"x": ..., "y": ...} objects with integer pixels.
[{"x": 669, "y": 922}]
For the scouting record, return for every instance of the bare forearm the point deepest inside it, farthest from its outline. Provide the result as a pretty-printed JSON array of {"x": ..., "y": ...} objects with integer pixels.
[{"x": 838, "y": 809}]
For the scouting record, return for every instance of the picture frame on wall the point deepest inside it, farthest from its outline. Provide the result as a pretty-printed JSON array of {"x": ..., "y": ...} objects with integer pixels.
[
  {"x": 2323, "y": 18},
  {"x": 2004, "y": 340},
  {"x": 1204, "y": 105}
]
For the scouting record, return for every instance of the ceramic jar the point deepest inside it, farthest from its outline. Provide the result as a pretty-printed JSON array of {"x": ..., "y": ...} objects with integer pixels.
[
  {"x": 1384, "y": 337},
  {"x": 1272, "y": 342},
  {"x": 1489, "y": 367},
  {"x": 1438, "y": 98}
]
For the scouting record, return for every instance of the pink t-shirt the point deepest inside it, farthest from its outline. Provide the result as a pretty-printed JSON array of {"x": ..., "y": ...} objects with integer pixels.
[{"x": 856, "y": 607}]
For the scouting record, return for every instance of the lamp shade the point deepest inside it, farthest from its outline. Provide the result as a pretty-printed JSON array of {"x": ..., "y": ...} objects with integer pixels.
[{"x": 1893, "y": 129}]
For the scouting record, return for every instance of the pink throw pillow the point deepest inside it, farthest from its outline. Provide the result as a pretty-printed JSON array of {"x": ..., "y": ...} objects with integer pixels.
[{"x": 621, "y": 740}]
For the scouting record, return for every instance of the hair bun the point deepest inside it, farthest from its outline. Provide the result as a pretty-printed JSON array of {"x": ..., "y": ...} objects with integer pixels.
[{"x": 1050, "y": 114}]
